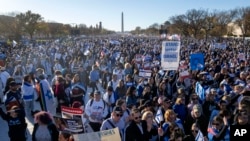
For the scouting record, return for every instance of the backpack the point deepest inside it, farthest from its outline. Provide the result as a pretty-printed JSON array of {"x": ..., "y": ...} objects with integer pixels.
[
  {"x": 92, "y": 100},
  {"x": 127, "y": 110}
]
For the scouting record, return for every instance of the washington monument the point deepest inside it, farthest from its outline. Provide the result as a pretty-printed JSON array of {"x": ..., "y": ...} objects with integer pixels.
[{"x": 122, "y": 24}]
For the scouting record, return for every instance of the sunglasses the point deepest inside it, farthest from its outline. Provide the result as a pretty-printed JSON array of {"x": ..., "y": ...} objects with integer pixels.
[
  {"x": 195, "y": 131},
  {"x": 217, "y": 124},
  {"x": 119, "y": 115},
  {"x": 137, "y": 117},
  {"x": 242, "y": 114},
  {"x": 176, "y": 130},
  {"x": 194, "y": 98}
]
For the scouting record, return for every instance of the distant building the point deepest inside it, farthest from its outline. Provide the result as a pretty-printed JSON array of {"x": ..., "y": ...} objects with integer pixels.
[{"x": 234, "y": 29}]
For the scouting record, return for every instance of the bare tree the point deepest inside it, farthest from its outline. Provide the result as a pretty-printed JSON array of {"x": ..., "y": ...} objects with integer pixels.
[
  {"x": 196, "y": 20},
  {"x": 223, "y": 18},
  {"x": 242, "y": 19},
  {"x": 180, "y": 22},
  {"x": 28, "y": 22}
]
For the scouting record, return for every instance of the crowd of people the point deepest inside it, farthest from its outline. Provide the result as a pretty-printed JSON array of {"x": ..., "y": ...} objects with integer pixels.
[{"x": 37, "y": 79}]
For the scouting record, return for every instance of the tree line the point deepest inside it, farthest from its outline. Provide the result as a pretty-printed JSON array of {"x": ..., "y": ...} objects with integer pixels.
[{"x": 197, "y": 23}]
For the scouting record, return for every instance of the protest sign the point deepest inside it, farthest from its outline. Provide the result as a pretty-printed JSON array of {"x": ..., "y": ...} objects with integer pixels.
[
  {"x": 170, "y": 55},
  {"x": 106, "y": 135},
  {"x": 183, "y": 69},
  {"x": 75, "y": 113},
  {"x": 197, "y": 61},
  {"x": 72, "y": 113},
  {"x": 145, "y": 73},
  {"x": 74, "y": 126},
  {"x": 219, "y": 45}
]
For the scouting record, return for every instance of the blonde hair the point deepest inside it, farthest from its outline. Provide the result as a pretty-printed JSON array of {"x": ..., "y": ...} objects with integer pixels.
[
  {"x": 226, "y": 98},
  {"x": 127, "y": 65},
  {"x": 145, "y": 114},
  {"x": 179, "y": 99},
  {"x": 168, "y": 113}
]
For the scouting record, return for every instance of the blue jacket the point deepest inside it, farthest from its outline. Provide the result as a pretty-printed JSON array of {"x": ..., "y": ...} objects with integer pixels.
[
  {"x": 181, "y": 110},
  {"x": 94, "y": 76}
]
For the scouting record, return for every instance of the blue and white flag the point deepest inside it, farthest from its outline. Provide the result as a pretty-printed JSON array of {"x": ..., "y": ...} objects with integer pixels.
[
  {"x": 197, "y": 61},
  {"x": 199, "y": 136},
  {"x": 199, "y": 90},
  {"x": 159, "y": 116},
  {"x": 47, "y": 97}
]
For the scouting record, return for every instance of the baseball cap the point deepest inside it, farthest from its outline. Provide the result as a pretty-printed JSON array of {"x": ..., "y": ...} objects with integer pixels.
[
  {"x": 117, "y": 109},
  {"x": 97, "y": 92},
  {"x": 13, "y": 83}
]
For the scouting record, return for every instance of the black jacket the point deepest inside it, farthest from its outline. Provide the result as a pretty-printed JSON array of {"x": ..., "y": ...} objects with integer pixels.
[
  {"x": 133, "y": 132},
  {"x": 202, "y": 121}
]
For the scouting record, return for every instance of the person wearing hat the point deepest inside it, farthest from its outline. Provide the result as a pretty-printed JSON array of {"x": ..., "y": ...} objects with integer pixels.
[
  {"x": 114, "y": 121},
  {"x": 96, "y": 110},
  {"x": 13, "y": 97}
]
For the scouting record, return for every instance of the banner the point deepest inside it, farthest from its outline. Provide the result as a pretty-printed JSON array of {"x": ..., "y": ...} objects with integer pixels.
[
  {"x": 71, "y": 113},
  {"x": 106, "y": 135},
  {"x": 170, "y": 55},
  {"x": 74, "y": 126},
  {"x": 219, "y": 45},
  {"x": 197, "y": 61},
  {"x": 145, "y": 73},
  {"x": 76, "y": 113},
  {"x": 183, "y": 69}
]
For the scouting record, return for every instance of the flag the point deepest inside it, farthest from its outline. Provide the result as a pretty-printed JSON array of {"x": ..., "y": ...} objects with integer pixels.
[
  {"x": 199, "y": 136},
  {"x": 14, "y": 43},
  {"x": 159, "y": 115}
]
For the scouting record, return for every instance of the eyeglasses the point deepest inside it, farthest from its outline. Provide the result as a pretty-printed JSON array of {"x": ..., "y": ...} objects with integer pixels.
[
  {"x": 194, "y": 98},
  {"x": 137, "y": 117},
  {"x": 217, "y": 124},
  {"x": 195, "y": 131}
]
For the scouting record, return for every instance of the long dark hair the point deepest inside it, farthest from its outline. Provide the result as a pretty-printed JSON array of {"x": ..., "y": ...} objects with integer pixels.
[{"x": 130, "y": 90}]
